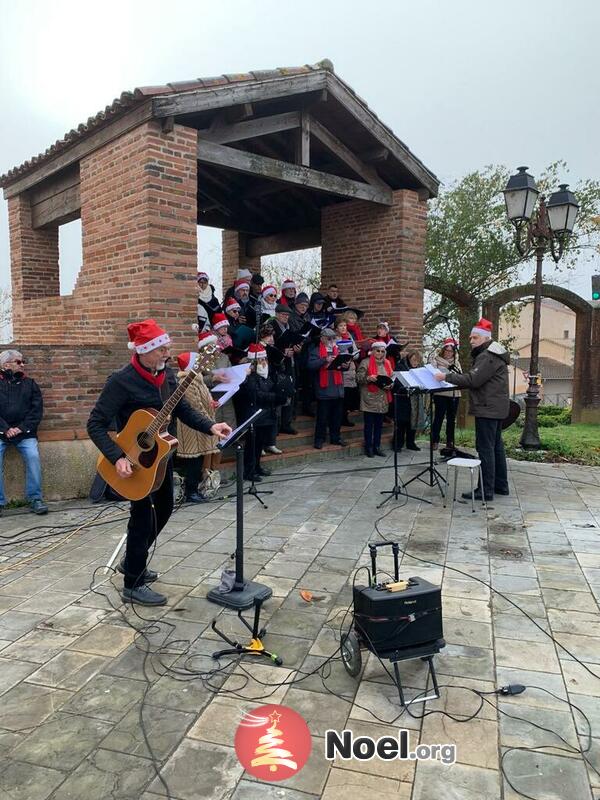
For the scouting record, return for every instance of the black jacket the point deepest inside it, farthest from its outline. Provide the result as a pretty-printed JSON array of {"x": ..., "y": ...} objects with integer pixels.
[
  {"x": 267, "y": 393},
  {"x": 487, "y": 381},
  {"x": 126, "y": 391},
  {"x": 21, "y": 405}
]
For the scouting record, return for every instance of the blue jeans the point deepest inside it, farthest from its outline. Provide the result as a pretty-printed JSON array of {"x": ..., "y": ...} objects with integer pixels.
[{"x": 33, "y": 471}]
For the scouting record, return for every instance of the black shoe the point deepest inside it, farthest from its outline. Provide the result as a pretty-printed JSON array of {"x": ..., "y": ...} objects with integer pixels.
[
  {"x": 1, "y": 510},
  {"x": 253, "y": 478},
  {"x": 412, "y": 447},
  {"x": 341, "y": 443},
  {"x": 318, "y": 445},
  {"x": 368, "y": 452},
  {"x": 397, "y": 449},
  {"x": 194, "y": 497},
  {"x": 263, "y": 471},
  {"x": 503, "y": 492},
  {"x": 346, "y": 423},
  {"x": 467, "y": 496},
  {"x": 143, "y": 596},
  {"x": 149, "y": 574},
  {"x": 379, "y": 452},
  {"x": 39, "y": 507},
  {"x": 291, "y": 431}
]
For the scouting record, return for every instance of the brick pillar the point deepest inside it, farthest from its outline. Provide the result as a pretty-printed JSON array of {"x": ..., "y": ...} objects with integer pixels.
[
  {"x": 33, "y": 260},
  {"x": 376, "y": 255},
  {"x": 139, "y": 217},
  {"x": 591, "y": 412},
  {"x": 234, "y": 257}
]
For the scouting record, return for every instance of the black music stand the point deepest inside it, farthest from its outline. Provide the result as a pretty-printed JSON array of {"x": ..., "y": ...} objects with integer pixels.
[
  {"x": 435, "y": 476},
  {"x": 244, "y": 594},
  {"x": 399, "y": 487}
]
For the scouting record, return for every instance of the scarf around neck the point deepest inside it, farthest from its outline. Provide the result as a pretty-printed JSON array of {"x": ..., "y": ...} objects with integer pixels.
[
  {"x": 156, "y": 380},
  {"x": 373, "y": 370},
  {"x": 324, "y": 373}
]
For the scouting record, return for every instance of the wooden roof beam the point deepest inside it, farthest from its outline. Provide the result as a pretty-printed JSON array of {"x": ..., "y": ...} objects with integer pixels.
[
  {"x": 284, "y": 172},
  {"x": 251, "y": 129},
  {"x": 283, "y": 242},
  {"x": 339, "y": 149}
]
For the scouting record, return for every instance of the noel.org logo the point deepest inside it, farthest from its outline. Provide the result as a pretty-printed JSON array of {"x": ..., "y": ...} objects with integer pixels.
[{"x": 272, "y": 742}]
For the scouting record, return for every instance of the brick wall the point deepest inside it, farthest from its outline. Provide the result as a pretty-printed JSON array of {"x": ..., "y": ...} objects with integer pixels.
[
  {"x": 234, "y": 258},
  {"x": 376, "y": 255}
]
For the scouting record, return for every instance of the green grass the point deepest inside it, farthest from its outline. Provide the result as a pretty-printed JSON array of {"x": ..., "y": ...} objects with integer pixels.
[{"x": 576, "y": 444}]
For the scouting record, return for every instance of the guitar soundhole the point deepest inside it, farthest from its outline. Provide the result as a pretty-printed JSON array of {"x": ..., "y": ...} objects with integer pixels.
[
  {"x": 145, "y": 441},
  {"x": 147, "y": 457}
]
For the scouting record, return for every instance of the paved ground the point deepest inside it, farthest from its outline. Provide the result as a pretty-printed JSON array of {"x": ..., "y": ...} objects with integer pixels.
[{"x": 74, "y": 682}]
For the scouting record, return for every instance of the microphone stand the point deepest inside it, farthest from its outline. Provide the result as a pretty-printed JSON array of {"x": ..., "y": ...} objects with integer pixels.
[
  {"x": 399, "y": 487},
  {"x": 435, "y": 477}
]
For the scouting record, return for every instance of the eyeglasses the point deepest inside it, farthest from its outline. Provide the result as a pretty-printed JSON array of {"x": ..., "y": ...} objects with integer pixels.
[{"x": 16, "y": 361}]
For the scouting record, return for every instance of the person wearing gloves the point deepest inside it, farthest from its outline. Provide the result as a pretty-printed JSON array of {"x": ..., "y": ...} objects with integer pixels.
[
  {"x": 374, "y": 398},
  {"x": 487, "y": 382}
]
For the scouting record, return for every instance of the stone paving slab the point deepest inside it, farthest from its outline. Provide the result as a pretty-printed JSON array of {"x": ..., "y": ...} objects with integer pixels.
[{"x": 77, "y": 669}]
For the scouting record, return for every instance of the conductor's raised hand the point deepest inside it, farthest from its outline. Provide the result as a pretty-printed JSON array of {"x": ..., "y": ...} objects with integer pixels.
[
  {"x": 123, "y": 467},
  {"x": 221, "y": 429}
]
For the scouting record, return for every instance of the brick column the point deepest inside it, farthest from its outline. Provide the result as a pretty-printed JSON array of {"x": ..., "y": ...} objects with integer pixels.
[
  {"x": 33, "y": 260},
  {"x": 234, "y": 258},
  {"x": 376, "y": 255}
]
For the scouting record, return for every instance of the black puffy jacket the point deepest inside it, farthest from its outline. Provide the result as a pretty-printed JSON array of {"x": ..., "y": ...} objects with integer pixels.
[{"x": 21, "y": 405}]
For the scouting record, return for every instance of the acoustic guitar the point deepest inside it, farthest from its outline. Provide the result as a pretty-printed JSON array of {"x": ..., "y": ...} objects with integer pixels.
[{"x": 146, "y": 442}]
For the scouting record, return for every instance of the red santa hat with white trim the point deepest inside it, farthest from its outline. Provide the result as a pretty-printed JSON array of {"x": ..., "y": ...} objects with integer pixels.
[
  {"x": 232, "y": 304},
  {"x": 186, "y": 360},
  {"x": 201, "y": 275},
  {"x": 450, "y": 341},
  {"x": 205, "y": 338},
  {"x": 146, "y": 336},
  {"x": 219, "y": 321},
  {"x": 288, "y": 284},
  {"x": 269, "y": 289},
  {"x": 241, "y": 283},
  {"x": 483, "y": 328},
  {"x": 255, "y": 351}
]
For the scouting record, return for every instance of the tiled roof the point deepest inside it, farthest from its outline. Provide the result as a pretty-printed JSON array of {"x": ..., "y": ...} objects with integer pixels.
[
  {"x": 128, "y": 100},
  {"x": 550, "y": 368}
]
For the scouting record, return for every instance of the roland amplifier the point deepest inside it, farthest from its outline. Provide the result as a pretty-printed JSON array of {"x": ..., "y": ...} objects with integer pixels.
[{"x": 386, "y": 621}]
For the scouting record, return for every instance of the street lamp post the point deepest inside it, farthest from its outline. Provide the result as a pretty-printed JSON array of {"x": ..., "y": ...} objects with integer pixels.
[{"x": 548, "y": 229}]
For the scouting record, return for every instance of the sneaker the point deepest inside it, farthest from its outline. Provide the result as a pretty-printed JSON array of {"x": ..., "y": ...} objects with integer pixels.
[
  {"x": 149, "y": 575},
  {"x": 273, "y": 449},
  {"x": 143, "y": 595},
  {"x": 194, "y": 497},
  {"x": 39, "y": 507}
]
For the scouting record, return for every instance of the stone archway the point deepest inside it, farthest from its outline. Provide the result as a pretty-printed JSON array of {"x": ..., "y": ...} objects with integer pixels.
[{"x": 583, "y": 385}]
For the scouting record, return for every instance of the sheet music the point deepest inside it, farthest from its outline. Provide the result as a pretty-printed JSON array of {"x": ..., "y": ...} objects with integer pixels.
[
  {"x": 237, "y": 375},
  {"x": 421, "y": 378}
]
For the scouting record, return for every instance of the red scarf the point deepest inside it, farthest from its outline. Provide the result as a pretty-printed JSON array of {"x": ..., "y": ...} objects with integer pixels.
[
  {"x": 324, "y": 373},
  {"x": 373, "y": 370},
  {"x": 156, "y": 380},
  {"x": 355, "y": 330}
]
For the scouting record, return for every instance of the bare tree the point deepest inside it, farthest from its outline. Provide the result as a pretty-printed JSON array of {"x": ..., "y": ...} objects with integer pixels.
[
  {"x": 5, "y": 315},
  {"x": 302, "y": 266}
]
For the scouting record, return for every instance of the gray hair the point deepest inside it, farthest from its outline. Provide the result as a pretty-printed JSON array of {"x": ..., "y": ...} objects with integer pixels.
[{"x": 9, "y": 355}]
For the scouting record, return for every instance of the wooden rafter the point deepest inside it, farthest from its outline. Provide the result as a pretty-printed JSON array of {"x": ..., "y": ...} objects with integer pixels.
[{"x": 250, "y": 129}]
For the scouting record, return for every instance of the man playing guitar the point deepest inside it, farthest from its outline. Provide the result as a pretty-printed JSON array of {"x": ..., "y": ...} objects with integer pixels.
[{"x": 145, "y": 383}]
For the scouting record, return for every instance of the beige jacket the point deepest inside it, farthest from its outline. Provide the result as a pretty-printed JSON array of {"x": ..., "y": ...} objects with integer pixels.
[
  {"x": 193, "y": 443},
  {"x": 442, "y": 364},
  {"x": 375, "y": 402}
]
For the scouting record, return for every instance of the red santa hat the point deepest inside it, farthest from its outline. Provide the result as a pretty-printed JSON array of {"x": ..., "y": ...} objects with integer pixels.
[
  {"x": 483, "y": 328},
  {"x": 186, "y": 360},
  {"x": 232, "y": 304},
  {"x": 146, "y": 335},
  {"x": 255, "y": 351},
  {"x": 288, "y": 284},
  {"x": 450, "y": 341},
  {"x": 201, "y": 275},
  {"x": 269, "y": 289},
  {"x": 377, "y": 346},
  {"x": 218, "y": 321},
  {"x": 241, "y": 283},
  {"x": 205, "y": 338}
]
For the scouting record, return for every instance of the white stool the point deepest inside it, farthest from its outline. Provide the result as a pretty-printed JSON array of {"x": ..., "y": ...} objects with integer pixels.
[{"x": 473, "y": 465}]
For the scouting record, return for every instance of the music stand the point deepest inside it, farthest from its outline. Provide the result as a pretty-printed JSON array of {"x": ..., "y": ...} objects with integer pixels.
[
  {"x": 244, "y": 594},
  {"x": 399, "y": 487},
  {"x": 435, "y": 476}
]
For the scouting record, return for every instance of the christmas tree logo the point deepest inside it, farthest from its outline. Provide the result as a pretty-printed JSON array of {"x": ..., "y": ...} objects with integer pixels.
[{"x": 273, "y": 742}]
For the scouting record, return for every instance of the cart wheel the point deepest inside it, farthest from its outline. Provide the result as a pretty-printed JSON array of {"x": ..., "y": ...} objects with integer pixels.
[{"x": 351, "y": 657}]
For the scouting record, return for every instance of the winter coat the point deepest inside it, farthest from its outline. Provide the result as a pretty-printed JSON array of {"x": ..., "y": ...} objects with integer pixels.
[
  {"x": 21, "y": 405},
  {"x": 332, "y": 391},
  {"x": 208, "y": 306},
  {"x": 373, "y": 402},
  {"x": 297, "y": 321},
  {"x": 266, "y": 393},
  {"x": 487, "y": 381},
  {"x": 444, "y": 366},
  {"x": 241, "y": 335},
  {"x": 126, "y": 391},
  {"x": 193, "y": 443}
]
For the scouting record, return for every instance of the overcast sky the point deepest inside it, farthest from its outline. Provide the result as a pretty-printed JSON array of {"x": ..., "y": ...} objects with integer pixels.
[{"x": 463, "y": 83}]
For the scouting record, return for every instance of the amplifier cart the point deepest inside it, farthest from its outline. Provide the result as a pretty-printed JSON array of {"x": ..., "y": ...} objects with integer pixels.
[{"x": 399, "y": 625}]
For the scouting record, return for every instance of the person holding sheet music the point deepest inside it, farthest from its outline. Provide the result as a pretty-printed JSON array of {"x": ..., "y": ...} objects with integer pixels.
[
  {"x": 318, "y": 313},
  {"x": 346, "y": 344},
  {"x": 407, "y": 407},
  {"x": 374, "y": 376},
  {"x": 329, "y": 389},
  {"x": 445, "y": 403}
]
